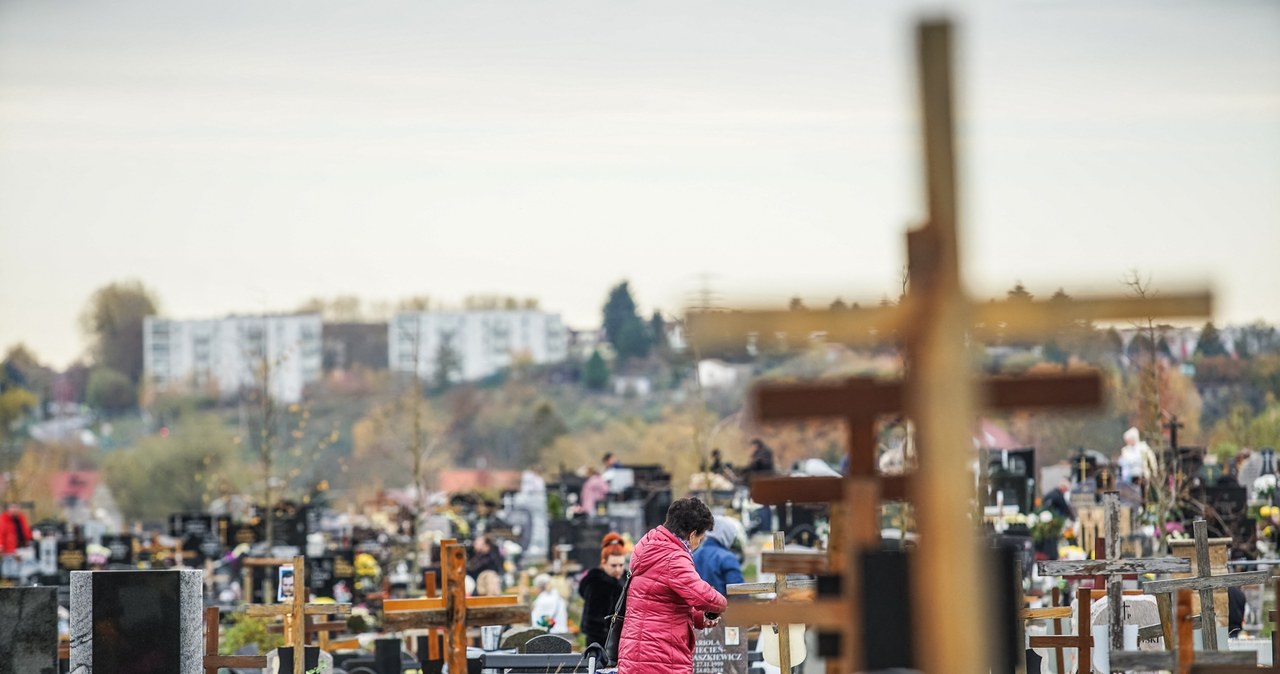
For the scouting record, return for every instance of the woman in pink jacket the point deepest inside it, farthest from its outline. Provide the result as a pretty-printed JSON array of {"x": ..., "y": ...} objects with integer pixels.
[{"x": 667, "y": 600}]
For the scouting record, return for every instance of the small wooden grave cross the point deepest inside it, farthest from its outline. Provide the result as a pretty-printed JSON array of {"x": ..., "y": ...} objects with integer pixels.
[
  {"x": 934, "y": 323},
  {"x": 1205, "y": 583},
  {"x": 455, "y": 610},
  {"x": 1114, "y": 568},
  {"x": 1082, "y": 641},
  {"x": 295, "y": 615},
  {"x": 782, "y": 588}
]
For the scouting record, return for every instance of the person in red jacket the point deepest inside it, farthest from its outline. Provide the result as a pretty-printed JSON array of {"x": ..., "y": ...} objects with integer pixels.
[
  {"x": 15, "y": 531},
  {"x": 667, "y": 600}
]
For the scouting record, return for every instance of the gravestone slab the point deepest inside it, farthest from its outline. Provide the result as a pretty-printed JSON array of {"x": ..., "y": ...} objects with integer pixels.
[
  {"x": 548, "y": 643},
  {"x": 719, "y": 650},
  {"x": 137, "y": 622},
  {"x": 29, "y": 630},
  {"x": 517, "y": 637}
]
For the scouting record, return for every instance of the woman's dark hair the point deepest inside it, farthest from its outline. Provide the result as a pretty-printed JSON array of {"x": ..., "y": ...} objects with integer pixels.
[{"x": 688, "y": 516}]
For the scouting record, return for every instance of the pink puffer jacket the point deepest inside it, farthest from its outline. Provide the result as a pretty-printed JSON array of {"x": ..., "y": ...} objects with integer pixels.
[{"x": 665, "y": 604}]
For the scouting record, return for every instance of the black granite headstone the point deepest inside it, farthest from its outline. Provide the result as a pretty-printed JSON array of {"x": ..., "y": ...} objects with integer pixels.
[
  {"x": 136, "y": 622},
  {"x": 548, "y": 643},
  {"x": 886, "y": 610},
  {"x": 121, "y": 547},
  {"x": 29, "y": 630},
  {"x": 311, "y": 658}
]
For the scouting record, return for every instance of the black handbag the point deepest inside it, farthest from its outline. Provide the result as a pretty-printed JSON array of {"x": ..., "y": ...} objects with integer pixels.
[{"x": 615, "y": 624}]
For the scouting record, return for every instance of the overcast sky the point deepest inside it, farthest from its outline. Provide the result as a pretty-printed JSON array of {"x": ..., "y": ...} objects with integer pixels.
[{"x": 242, "y": 156}]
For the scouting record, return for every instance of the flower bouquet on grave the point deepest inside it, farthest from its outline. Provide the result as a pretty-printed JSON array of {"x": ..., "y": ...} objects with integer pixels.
[
  {"x": 1046, "y": 527},
  {"x": 1263, "y": 488},
  {"x": 368, "y": 573}
]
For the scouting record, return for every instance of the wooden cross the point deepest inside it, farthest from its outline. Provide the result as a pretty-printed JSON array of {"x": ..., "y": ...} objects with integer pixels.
[
  {"x": 295, "y": 613},
  {"x": 1082, "y": 641},
  {"x": 1246, "y": 669},
  {"x": 455, "y": 610},
  {"x": 1114, "y": 568},
  {"x": 934, "y": 322},
  {"x": 1205, "y": 583},
  {"x": 794, "y": 590},
  {"x": 860, "y": 402}
]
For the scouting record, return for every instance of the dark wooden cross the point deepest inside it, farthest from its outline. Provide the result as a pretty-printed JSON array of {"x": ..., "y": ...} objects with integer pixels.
[
  {"x": 455, "y": 610},
  {"x": 1205, "y": 583},
  {"x": 860, "y": 402},
  {"x": 934, "y": 323}
]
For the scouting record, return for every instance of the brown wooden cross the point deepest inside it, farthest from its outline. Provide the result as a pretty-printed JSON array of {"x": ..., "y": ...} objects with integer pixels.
[
  {"x": 455, "y": 610},
  {"x": 860, "y": 402},
  {"x": 295, "y": 613},
  {"x": 934, "y": 323},
  {"x": 1082, "y": 641}
]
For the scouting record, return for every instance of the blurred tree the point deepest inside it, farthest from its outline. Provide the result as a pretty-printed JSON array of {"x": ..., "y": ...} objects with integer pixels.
[
  {"x": 545, "y": 428},
  {"x": 658, "y": 332},
  {"x": 33, "y": 376},
  {"x": 110, "y": 391},
  {"x": 623, "y": 326},
  {"x": 448, "y": 362},
  {"x": 112, "y": 322},
  {"x": 199, "y": 461},
  {"x": 1210, "y": 342},
  {"x": 595, "y": 376},
  {"x": 1020, "y": 293}
]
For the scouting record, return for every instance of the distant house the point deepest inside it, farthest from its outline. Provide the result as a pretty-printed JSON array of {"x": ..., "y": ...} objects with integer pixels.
[
  {"x": 715, "y": 374},
  {"x": 229, "y": 355},
  {"x": 632, "y": 385}
]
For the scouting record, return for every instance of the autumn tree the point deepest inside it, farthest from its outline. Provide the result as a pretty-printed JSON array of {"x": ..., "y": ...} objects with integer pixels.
[
  {"x": 112, "y": 321},
  {"x": 198, "y": 462}
]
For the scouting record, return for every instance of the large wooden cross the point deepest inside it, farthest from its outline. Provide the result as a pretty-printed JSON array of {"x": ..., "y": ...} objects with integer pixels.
[
  {"x": 455, "y": 610},
  {"x": 860, "y": 402},
  {"x": 933, "y": 323},
  {"x": 1205, "y": 583}
]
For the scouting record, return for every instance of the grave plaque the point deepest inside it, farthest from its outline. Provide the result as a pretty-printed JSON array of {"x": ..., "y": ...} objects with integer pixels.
[
  {"x": 71, "y": 557},
  {"x": 325, "y": 572},
  {"x": 719, "y": 649},
  {"x": 47, "y": 553},
  {"x": 121, "y": 547},
  {"x": 29, "y": 630},
  {"x": 136, "y": 622}
]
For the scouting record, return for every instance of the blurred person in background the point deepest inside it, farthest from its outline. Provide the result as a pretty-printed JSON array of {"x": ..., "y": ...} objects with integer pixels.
[
  {"x": 715, "y": 560},
  {"x": 600, "y": 589},
  {"x": 550, "y": 611}
]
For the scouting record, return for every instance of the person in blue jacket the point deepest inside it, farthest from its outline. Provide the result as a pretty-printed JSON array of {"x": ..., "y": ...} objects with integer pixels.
[{"x": 715, "y": 559}]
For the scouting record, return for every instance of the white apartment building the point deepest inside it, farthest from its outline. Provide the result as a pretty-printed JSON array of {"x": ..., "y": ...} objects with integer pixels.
[
  {"x": 483, "y": 342},
  {"x": 226, "y": 355}
]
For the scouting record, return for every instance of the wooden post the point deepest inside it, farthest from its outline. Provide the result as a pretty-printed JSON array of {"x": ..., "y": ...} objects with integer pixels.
[
  {"x": 784, "y": 631},
  {"x": 455, "y": 602}
]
